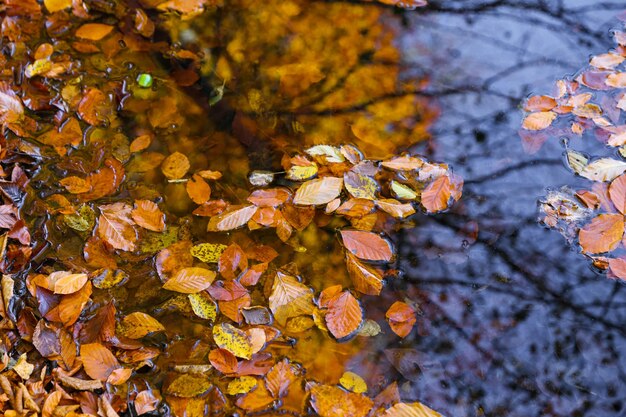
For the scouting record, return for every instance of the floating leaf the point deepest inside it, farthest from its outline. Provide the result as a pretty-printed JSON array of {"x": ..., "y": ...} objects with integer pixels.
[
  {"x": 410, "y": 410},
  {"x": 330, "y": 401},
  {"x": 360, "y": 186},
  {"x": 115, "y": 226},
  {"x": 344, "y": 316},
  {"x": 436, "y": 195},
  {"x": 401, "y": 318},
  {"x": 605, "y": 169},
  {"x": 576, "y": 161},
  {"x": 403, "y": 163},
  {"x": 272, "y": 197},
  {"x": 367, "y": 245},
  {"x": 539, "y": 120},
  {"x": 241, "y": 385},
  {"x": 148, "y": 215},
  {"x": 402, "y": 191},
  {"x": 190, "y": 280},
  {"x": 289, "y": 298},
  {"x": 93, "y": 31},
  {"x": 232, "y": 339},
  {"x": 353, "y": 382},
  {"x": 188, "y": 386},
  {"x": 617, "y": 193},
  {"x": 137, "y": 325},
  {"x": 224, "y": 361},
  {"x": 540, "y": 104},
  {"x": 603, "y": 234},
  {"x": 69, "y": 284},
  {"x": 208, "y": 252},
  {"x": 232, "y": 219},
  {"x": 330, "y": 153},
  {"x": 319, "y": 191},
  {"x": 11, "y": 108},
  {"x": 98, "y": 361},
  {"x": 366, "y": 280},
  {"x": 198, "y": 189},
  {"x": 395, "y": 208},
  {"x": 203, "y": 306}
]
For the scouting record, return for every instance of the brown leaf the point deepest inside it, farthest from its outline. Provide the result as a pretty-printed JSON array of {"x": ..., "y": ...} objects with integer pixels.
[
  {"x": 93, "y": 31},
  {"x": 224, "y": 361},
  {"x": 280, "y": 377},
  {"x": 145, "y": 402},
  {"x": 94, "y": 107},
  {"x": 289, "y": 298},
  {"x": 75, "y": 185},
  {"x": 603, "y": 234},
  {"x": 115, "y": 226},
  {"x": 269, "y": 197},
  {"x": 436, "y": 195},
  {"x": 175, "y": 166},
  {"x": 148, "y": 215},
  {"x": 367, "y": 245},
  {"x": 539, "y": 120},
  {"x": 319, "y": 191},
  {"x": 190, "y": 280},
  {"x": 344, "y": 316},
  {"x": 232, "y": 259},
  {"x": 98, "y": 361},
  {"x": 198, "y": 189},
  {"x": 11, "y": 108}
]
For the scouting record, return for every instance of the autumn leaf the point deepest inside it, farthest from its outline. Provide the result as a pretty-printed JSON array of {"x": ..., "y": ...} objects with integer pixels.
[
  {"x": 224, "y": 361},
  {"x": 540, "y": 104},
  {"x": 617, "y": 193},
  {"x": 98, "y": 361},
  {"x": 190, "y": 280},
  {"x": 319, "y": 191},
  {"x": 360, "y": 186},
  {"x": 11, "y": 108},
  {"x": 366, "y": 280},
  {"x": 115, "y": 226},
  {"x": 330, "y": 401},
  {"x": 148, "y": 215},
  {"x": 234, "y": 218},
  {"x": 137, "y": 325},
  {"x": 145, "y": 402},
  {"x": 410, "y": 410},
  {"x": 232, "y": 339},
  {"x": 198, "y": 189},
  {"x": 538, "y": 120},
  {"x": 269, "y": 197},
  {"x": 606, "y": 61},
  {"x": 289, "y": 298},
  {"x": 140, "y": 143},
  {"x": 603, "y": 234},
  {"x": 367, "y": 245},
  {"x": 404, "y": 163},
  {"x": 353, "y": 382},
  {"x": 70, "y": 283},
  {"x": 175, "y": 166},
  {"x": 395, "y": 208},
  {"x": 436, "y": 195},
  {"x": 401, "y": 318},
  {"x": 344, "y": 316},
  {"x": 93, "y": 31}
]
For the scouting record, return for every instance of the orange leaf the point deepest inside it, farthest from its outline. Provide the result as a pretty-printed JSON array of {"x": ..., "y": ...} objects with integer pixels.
[
  {"x": 190, "y": 280},
  {"x": 234, "y": 218},
  {"x": 331, "y": 401},
  {"x": 145, "y": 402},
  {"x": 280, "y": 377},
  {"x": 289, "y": 298},
  {"x": 139, "y": 144},
  {"x": 366, "y": 280},
  {"x": 148, "y": 215},
  {"x": 603, "y": 234},
  {"x": 93, "y": 31},
  {"x": 269, "y": 197},
  {"x": 435, "y": 197},
  {"x": 94, "y": 107},
  {"x": 75, "y": 185},
  {"x": 410, "y": 410},
  {"x": 617, "y": 266},
  {"x": 395, "y": 208},
  {"x": 71, "y": 306},
  {"x": 115, "y": 226},
  {"x": 367, "y": 245},
  {"x": 403, "y": 163},
  {"x": 224, "y": 361},
  {"x": 232, "y": 259},
  {"x": 175, "y": 166},
  {"x": 119, "y": 376},
  {"x": 11, "y": 108},
  {"x": 540, "y": 103},
  {"x": 319, "y": 191},
  {"x": 137, "y": 325},
  {"x": 198, "y": 189},
  {"x": 344, "y": 316},
  {"x": 70, "y": 283},
  {"x": 401, "y": 318},
  {"x": 617, "y": 193},
  {"x": 539, "y": 120},
  {"x": 98, "y": 361}
]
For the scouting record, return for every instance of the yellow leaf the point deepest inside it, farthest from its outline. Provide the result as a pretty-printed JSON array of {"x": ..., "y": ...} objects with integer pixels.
[
  {"x": 93, "y": 31},
  {"x": 353, "y": 382},
  {"x": 208, "y": 252},
  {"x": 137, "y": 325},
  {"x": 289, "y": 298},
  {"x": 70, "y": 283},
  {"x": 232, "y": 339},
  {"x": 539, "y": 120},
  {"x": 241, "y": 385},
  {"x": 57, "y": 5},
  {"x": 402, "y": 191},
  {"x": 203, "y": 306}
]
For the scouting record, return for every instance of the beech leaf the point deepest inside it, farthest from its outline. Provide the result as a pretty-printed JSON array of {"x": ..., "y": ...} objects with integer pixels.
[{"x": 367, "y": 245}]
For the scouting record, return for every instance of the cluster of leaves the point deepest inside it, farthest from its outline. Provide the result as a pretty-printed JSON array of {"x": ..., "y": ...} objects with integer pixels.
[
  {"x": 126, "y": 284},
  {"x": 591, "y": 104}
]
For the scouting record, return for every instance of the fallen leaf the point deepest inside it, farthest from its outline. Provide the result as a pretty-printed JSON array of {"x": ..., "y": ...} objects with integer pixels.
[
  {"x": 330, "y": 401},
  {"x": 98, "y": 361},
  {"x": 93, "y": 31},
  {"x": 344, "y": 316},
  {"x": 538, "y": 120},
  {"x": 603, "y": 234},
  {"x": 145, "y": 402},
  {"x": 367, "y": 245},
  {"x": 232, "y": 339},
  {"x": 148, "y": 215},
  {"x": 115, "y": 226},
  {"x": 353, "y": 382},
  {"x": 234, "y": 218},
  {"x": 319, "y": 191},
  {"x": 190, "y": 280},
  {"x": 175, "y": 166},
  {"x": 198, "y": 189},
  {"x": 604, "y": 169},
  {"x": 401, "y": 318},
  {"x": 70, "y": 283},
  {"x": 410, "y": 410},
  {"x": 366, "y": 280},
  {"x": 436, "y": 195},
  {"x": 289, "y": 298},
  {"x": 617, "y": 193},
  {"x": 137, "y": 325}
]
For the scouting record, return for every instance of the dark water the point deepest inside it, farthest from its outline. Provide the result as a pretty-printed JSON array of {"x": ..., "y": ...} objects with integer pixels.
[{"x": 515, "y": 322}]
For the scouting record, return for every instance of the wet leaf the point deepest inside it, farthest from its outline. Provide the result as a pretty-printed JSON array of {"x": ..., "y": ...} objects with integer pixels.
[
  {"x": 606, "y": 61},
  {"x": 538, "y": 120},
  {"x": 98, "y": 361},
  {"x": 576, "y": 161},
  {"x": 198, "y": 189},
  {"x": 137, "y": 325},
  {"x": 436, "y": 195},
  {"x": 320, "y": 191},
  {"x": 401, "y": 318},
  {"x": 232, "y": 219},
  {"x": 603, "y": 234},
  {"x": 366, "y": 280},
  {"x": 329, "y": 401},
  {"x": 93, "y": 31},
  {"x": 23, "y": 368},
  {"x": 115, "y": 226},
  {"x": 289, "y": 298},
  {"x": 139, "y": 144},
  {"x": 208, "y": 252},
  {"x": 145, "y": 402},
  {"x": 330, "y": 153},
  {"x": 272, "y": 197},
  {"x": 148, "y": 215},
  {"x": 11, "y": 108},
  {"x": 360, "y": 186},
  {"x": 241, "y": 385},
  {"x": 232, "y": 339},
  {"x": 395, "y": 208},
  {"x": 224, "y": 361},
  {"x": 605, "y": 169},
  {"x": 344, "y": 316},
  {"x": 402, "y": 191},
  {"x": 190, "y": 280},
  {"x": 175, "y": 166},
  {"x": 188, "y": 386},
  {"x": 403, "y": 163},
  {"x": 367, "y": 245},
  {"x": 617, "y": 193},
  {"x": 540, "y": 104},
  {"x": 69, "y": 284},
  {"x": 353, "y": 382},
  {"x": 203, "y": 306}
]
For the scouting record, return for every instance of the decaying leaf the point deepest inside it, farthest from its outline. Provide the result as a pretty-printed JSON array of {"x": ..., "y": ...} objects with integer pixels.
[{"x": 232, "y": 339}]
